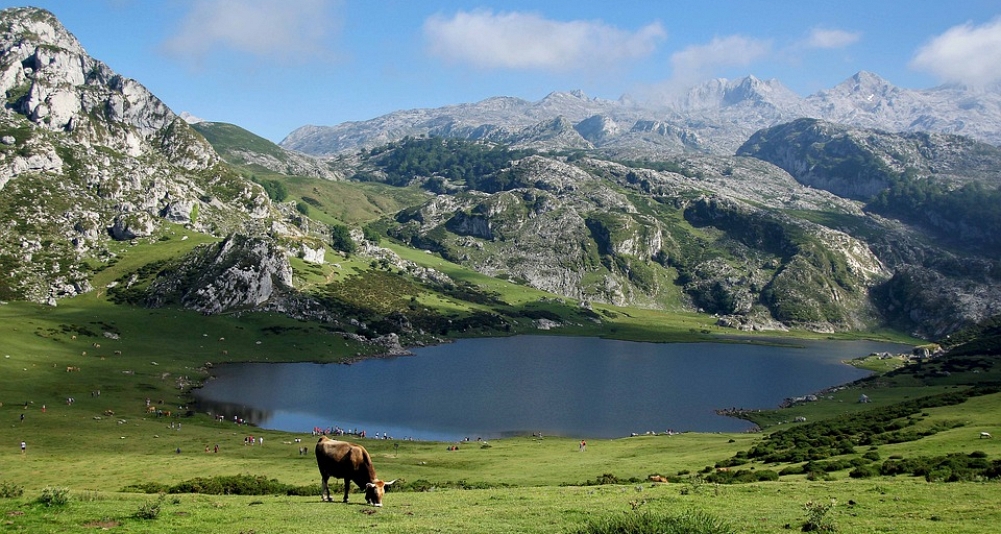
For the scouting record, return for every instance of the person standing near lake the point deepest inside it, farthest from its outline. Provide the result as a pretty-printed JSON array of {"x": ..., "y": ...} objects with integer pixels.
[{"x": 583, "y": 446}]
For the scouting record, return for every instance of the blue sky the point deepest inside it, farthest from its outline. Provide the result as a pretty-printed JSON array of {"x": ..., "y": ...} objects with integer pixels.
[{"x": 273, "y": 65}]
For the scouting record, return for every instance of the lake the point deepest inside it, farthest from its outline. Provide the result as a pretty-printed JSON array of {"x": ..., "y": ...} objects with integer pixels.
[{"x": 568, "y": 386}]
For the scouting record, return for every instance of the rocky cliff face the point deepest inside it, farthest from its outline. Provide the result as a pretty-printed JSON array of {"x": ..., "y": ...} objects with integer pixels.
[
  {"x": 88, "y": 156},
  {"x": 48, "y": 78},
  {"x": 238, "y": 273}
]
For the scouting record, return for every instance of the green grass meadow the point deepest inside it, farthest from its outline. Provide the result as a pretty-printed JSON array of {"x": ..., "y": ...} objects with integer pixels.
[{"x": 100, "y": 444}]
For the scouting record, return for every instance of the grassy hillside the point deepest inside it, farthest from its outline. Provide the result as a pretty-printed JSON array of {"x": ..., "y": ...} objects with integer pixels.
[
  {"x": 230, "y": 138},
  {"x": 350, "y": 203}
]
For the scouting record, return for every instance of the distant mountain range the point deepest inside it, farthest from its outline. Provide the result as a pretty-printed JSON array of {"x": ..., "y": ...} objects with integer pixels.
[{"x": 715, "y": 117}]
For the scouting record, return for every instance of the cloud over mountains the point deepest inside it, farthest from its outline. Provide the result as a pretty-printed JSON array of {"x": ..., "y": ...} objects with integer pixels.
[
  {"x": 515, "y": 40},
  {"x": 965, "y": 54}
]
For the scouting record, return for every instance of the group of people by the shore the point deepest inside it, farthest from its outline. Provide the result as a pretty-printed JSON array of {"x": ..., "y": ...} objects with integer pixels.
[
  {"x": 337, "y": 431},
  {"x": 361, "y": 434}
]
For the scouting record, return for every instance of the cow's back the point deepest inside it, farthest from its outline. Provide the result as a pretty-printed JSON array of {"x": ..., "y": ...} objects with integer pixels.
[{"x": 341, "y": 459}]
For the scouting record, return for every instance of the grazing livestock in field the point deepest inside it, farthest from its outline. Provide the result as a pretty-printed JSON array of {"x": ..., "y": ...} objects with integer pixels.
[
  {"x": 351, "y": 462},
  {"x": 985, "y": 435}
]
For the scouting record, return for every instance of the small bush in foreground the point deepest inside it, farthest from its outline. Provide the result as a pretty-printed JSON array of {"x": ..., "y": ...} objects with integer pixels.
[
  {"x": 818, "y": 517},
  {"x": 9, "y": 490},
  {"x": 54, "y": 496},
  {"x": 149, "y": 509},
  {"x": 646, "y": 523}
]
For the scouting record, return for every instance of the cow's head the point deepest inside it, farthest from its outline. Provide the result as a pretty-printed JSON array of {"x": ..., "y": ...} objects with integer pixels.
[{"x": 375, "y": 490}]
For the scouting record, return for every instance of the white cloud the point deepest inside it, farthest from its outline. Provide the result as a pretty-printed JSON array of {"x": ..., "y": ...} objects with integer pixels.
[
  {"x": 966, "y": 53},
  {"x": 699, "y": 62},
  {"x": 528, "y": 41},
  {"x": 266, "y": 29},
  {"x": 829, "y": 38}
]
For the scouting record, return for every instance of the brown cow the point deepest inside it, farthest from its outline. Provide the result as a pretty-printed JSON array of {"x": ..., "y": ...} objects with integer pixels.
[{"x": 350, "y": 461}]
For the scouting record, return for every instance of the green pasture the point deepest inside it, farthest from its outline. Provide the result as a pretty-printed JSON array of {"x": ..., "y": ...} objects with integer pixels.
[
  {"x": 101, "y": 444},
  {"x": 904, "y": 506}
]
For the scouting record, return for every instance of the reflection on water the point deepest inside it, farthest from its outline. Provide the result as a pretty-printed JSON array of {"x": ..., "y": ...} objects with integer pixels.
[{"x": 585, "y": 387}]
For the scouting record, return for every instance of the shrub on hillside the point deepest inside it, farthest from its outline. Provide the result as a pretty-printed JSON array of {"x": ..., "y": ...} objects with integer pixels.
[
  {"x": 864, "y": 471},
  {"x": 147, "y": 487},
  {"x": 742, "y": 476},
  {"x": 949, "y": 468},
  {"x": 839, "y": 435}
]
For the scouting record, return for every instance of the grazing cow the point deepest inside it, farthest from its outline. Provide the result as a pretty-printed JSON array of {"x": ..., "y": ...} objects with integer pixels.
[
  {"x": 340, "y": 459},
  {"x": 985, "y": 435}
]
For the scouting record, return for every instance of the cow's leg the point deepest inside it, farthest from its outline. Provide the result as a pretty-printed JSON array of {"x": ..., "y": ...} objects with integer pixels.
[
  {"x": 347, "y": 488},
  {"x": 324, "y": 491}
]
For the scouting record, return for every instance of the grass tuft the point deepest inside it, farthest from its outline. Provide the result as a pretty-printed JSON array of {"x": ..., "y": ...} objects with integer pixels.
[{"x": 689, "y": 522}]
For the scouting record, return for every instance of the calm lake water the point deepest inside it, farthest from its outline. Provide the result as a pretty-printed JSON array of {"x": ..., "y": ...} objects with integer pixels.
[{"x": 569, "y": 386}]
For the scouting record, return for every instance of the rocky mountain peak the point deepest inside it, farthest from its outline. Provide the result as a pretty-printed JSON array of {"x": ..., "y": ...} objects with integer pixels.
[
  {"x": 864, "y": 87},
  {"x": 47, "y": 77},
  {"x": 722, "y": 93},
  {"x": 751, "y": 89},
  {"x": 560, "y": 96},
  {"x": 28, "y": 26}
]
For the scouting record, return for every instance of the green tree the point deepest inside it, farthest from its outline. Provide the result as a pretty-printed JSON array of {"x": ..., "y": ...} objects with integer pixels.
[
  {"x": 275, "y": 189},
  {"x": 340, "y": 239}
]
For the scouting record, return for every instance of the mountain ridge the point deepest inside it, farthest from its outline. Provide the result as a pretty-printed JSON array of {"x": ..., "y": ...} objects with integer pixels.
[{"x": 715, "y": 116}]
